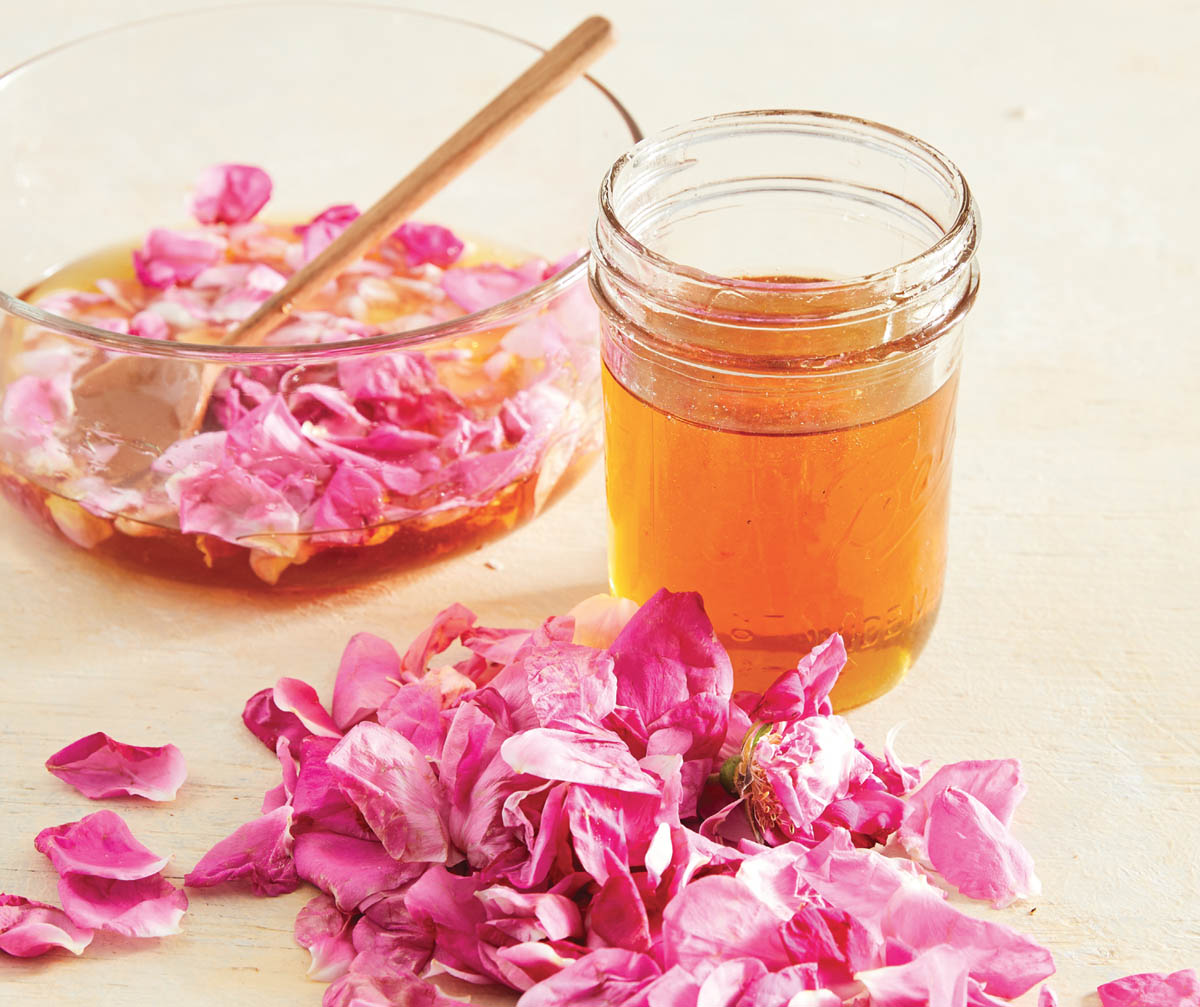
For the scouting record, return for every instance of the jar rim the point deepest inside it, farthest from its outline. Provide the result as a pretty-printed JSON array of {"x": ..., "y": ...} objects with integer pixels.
[
  {"x": 536, "y": 296},
  {"x": 957, "y": 242}
]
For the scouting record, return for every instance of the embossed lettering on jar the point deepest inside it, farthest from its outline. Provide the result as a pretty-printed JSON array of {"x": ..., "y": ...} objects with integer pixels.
[{"x": 782, "y": 296}]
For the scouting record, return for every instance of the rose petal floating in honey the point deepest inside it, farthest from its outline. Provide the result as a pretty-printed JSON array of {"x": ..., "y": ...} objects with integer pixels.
[
  {"x": 318, "y": 233},
  {"x": 167, "y": 257},
  {"x": 99, "y": 767},
  {"x": 230, "y": 193},
  {"x": 29, "y": 929},
  {"x": 428, "y": 243}
]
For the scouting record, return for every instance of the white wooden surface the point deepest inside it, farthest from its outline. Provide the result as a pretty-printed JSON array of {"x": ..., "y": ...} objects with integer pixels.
[{"x": 1069, "y": 632}]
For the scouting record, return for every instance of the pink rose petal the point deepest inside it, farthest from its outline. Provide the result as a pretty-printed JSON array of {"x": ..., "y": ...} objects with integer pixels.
[
  {"x": 1046, "y": 998},
  {"x": 393, "y": 786},
  {"x": 349, "y": 869},
  {"x": 474, "y": 288},
  {"x": 805, "y": 691},
  {"x": 99, "y": 845},
  {"x": 258, "y": 853},
  {"x": 598, "y": 758},
  {"x": 994, "y": 782},
  {"x": 608, "y": 977},
  {"x": 428, "y": 243},
  {"x": 1152, "y": 989},
  {"x": 147, "y": 907},
  {"x": 935, "y": 978},
  {"x": 230, "y": 194},
  {"x": 99, "y": 767},
  {"x": 324, "y": 931},
  {"x": 29, "y": 929},
  {"x": 167, "y": 258},
  {"x": 319, "y": 232},
  {"x": 600, "y": 619},
  {"x": 296, "y": 697},
  {"x": 976, "y": 853},
  {"x": 367, "y": 677}
]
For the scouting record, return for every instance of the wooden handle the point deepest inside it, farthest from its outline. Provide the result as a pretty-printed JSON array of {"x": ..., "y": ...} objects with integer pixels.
[{"x": 549, "y": 75}]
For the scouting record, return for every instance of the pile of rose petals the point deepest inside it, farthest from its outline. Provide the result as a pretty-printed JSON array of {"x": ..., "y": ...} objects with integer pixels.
[
  {"x": 295, "y": 459},
  {"x": 586, "y": 814}
]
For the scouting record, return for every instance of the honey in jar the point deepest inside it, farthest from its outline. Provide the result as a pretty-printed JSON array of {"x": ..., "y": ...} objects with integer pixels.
[{"x": 779, "y": 418}]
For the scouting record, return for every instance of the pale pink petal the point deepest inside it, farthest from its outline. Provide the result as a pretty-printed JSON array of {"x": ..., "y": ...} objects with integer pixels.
[
  {"x": 474, "y": 288},
  {"x": 147, "y": 907},
  {"x": 394, "y": 787},
  {"x": 428, "y": 243},
  {"x": 720, "y": 917},
  {"x": 99, "y": 767},
  {"x": 996, "y": 783},
  {"x": 29, "y": 929},
  {"x": 598, "y": 758},
  {"x": 607, "y": 977},
  {"x": 230, "y": 194},
  {"x": 976, "y": 853},
  {"x": 1152, "y": 989},
  {"x": 367, "y": 676},
  {"x": 149, "y": 325},
  {"x": 324, "y": 931},
  {"x": 556, "y": 915},
  {"x": 294, "y": 696},
  {"x": 935, "y": 978},
  {"x": 170, "y": 257},
  {"x": 258, "y": 853},
  {"x": 99, "y": 845},
  {"x": 569, "y": 685},
  {"x": 448, "y": 625},
  {"x": 600, "y": 619},
  {"x": 349, "y": 869},
  {"x": 794, "y": 986},
  {"x": 1046, "y": 998},
  {"x": 375, "y": 988},
  {"x": 282, "y": 794}
]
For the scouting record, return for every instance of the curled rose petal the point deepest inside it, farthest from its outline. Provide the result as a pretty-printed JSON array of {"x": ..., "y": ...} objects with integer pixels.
[
  {"x": 259, "y": 853},
  {"x": 147, "y": 907},
  {"x": 319, "y": 232},
  {"x": 299, "y": 698},
  {"x": 324, "y": 931},
  {"x": 804, "y": 691},
  {"x": 367, "y": 677},
  {"x": 1152, "y": 989},
  {"x": 230, "y": 194},
  {"x": 267, "y": 722},
  {"x": 935, "y": 978},
  {"x": 996, "y": 783},
  {"x": 99, "y": 767},
  {"x": 976, "y": 853},
  {"x": 29, "y": 929},
  {"x": 1046, "y": 998},
  {"x": 608, "y": 976},
  {"x": 393, "y": 786},
  {"x": 99, "y": 845}
]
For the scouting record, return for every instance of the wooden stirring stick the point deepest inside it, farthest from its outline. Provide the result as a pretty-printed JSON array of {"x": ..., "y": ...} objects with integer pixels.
[
  {"x": 140, "y": 405},
  {"x": 549, "y": 75}
]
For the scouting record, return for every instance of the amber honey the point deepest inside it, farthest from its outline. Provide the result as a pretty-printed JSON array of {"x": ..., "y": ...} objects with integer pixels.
[{"x": 788, "y": 537}]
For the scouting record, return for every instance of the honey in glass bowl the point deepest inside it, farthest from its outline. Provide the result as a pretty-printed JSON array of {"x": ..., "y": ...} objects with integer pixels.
[{"x": 781, "y": 302}]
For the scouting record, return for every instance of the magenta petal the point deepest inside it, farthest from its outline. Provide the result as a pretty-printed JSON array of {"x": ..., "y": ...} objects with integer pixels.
[
  {"x": 99, "y": 845},
  {"x": 804, "y": 691},
  {"x": 259, "y": 852},
  {"x": 368, "y": 675},
  {"x": 324, "y": 931},
  {"x": 268, "y": 723},
  {"x": 996, "y": 783},
  {"x": 299, "y": 698},
  {"x": 29, "y": 929},
  {"x": 607, "y": 977},
  {"x": 1046, "y": 998},
  {"x": 147, "y": 907},
  {"x": 599, "y": 758},
  {"x": 376, "y": 988},
  {"x": 448, "y": 625},
  {"x": 935, "y": 978},
  {"x": 167, "y": 258},
  {"x": 349, "y": 869},
  {"x": 394, "y": 787},
  {"x": 99, "y": 767},
  {"x": 720, "y": 917},
  {"x": 976, "y": 853},
  {"x": 320, "y": 232},
  {"x": 428, "y": 243},
  {"x": 318, "y": 803},
  {"x": 230, "y": 194},
  {"x": 1152, "y": 989}
]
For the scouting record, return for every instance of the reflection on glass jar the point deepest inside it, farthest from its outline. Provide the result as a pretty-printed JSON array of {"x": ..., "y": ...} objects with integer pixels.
[{"x": 781, "y": 297}]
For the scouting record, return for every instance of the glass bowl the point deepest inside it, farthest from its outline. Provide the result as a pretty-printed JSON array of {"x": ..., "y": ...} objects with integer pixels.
[{"x": 339, "y": 449}]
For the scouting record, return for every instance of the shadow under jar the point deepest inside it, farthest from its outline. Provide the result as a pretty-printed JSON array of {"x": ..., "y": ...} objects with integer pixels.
[{"x": 781, "y": 298}]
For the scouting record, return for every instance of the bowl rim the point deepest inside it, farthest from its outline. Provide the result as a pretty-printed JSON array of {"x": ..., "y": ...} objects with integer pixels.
[{"x": 536, "y": 296}]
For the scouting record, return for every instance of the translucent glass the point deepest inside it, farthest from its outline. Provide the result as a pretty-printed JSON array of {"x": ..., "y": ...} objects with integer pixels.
[
  {"x": 781, "y": 298},
  {"x": 100, "y": 141}
]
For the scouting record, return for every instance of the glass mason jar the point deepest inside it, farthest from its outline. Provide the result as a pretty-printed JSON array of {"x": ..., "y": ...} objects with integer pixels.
[{"x": 782, "y": 296}]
